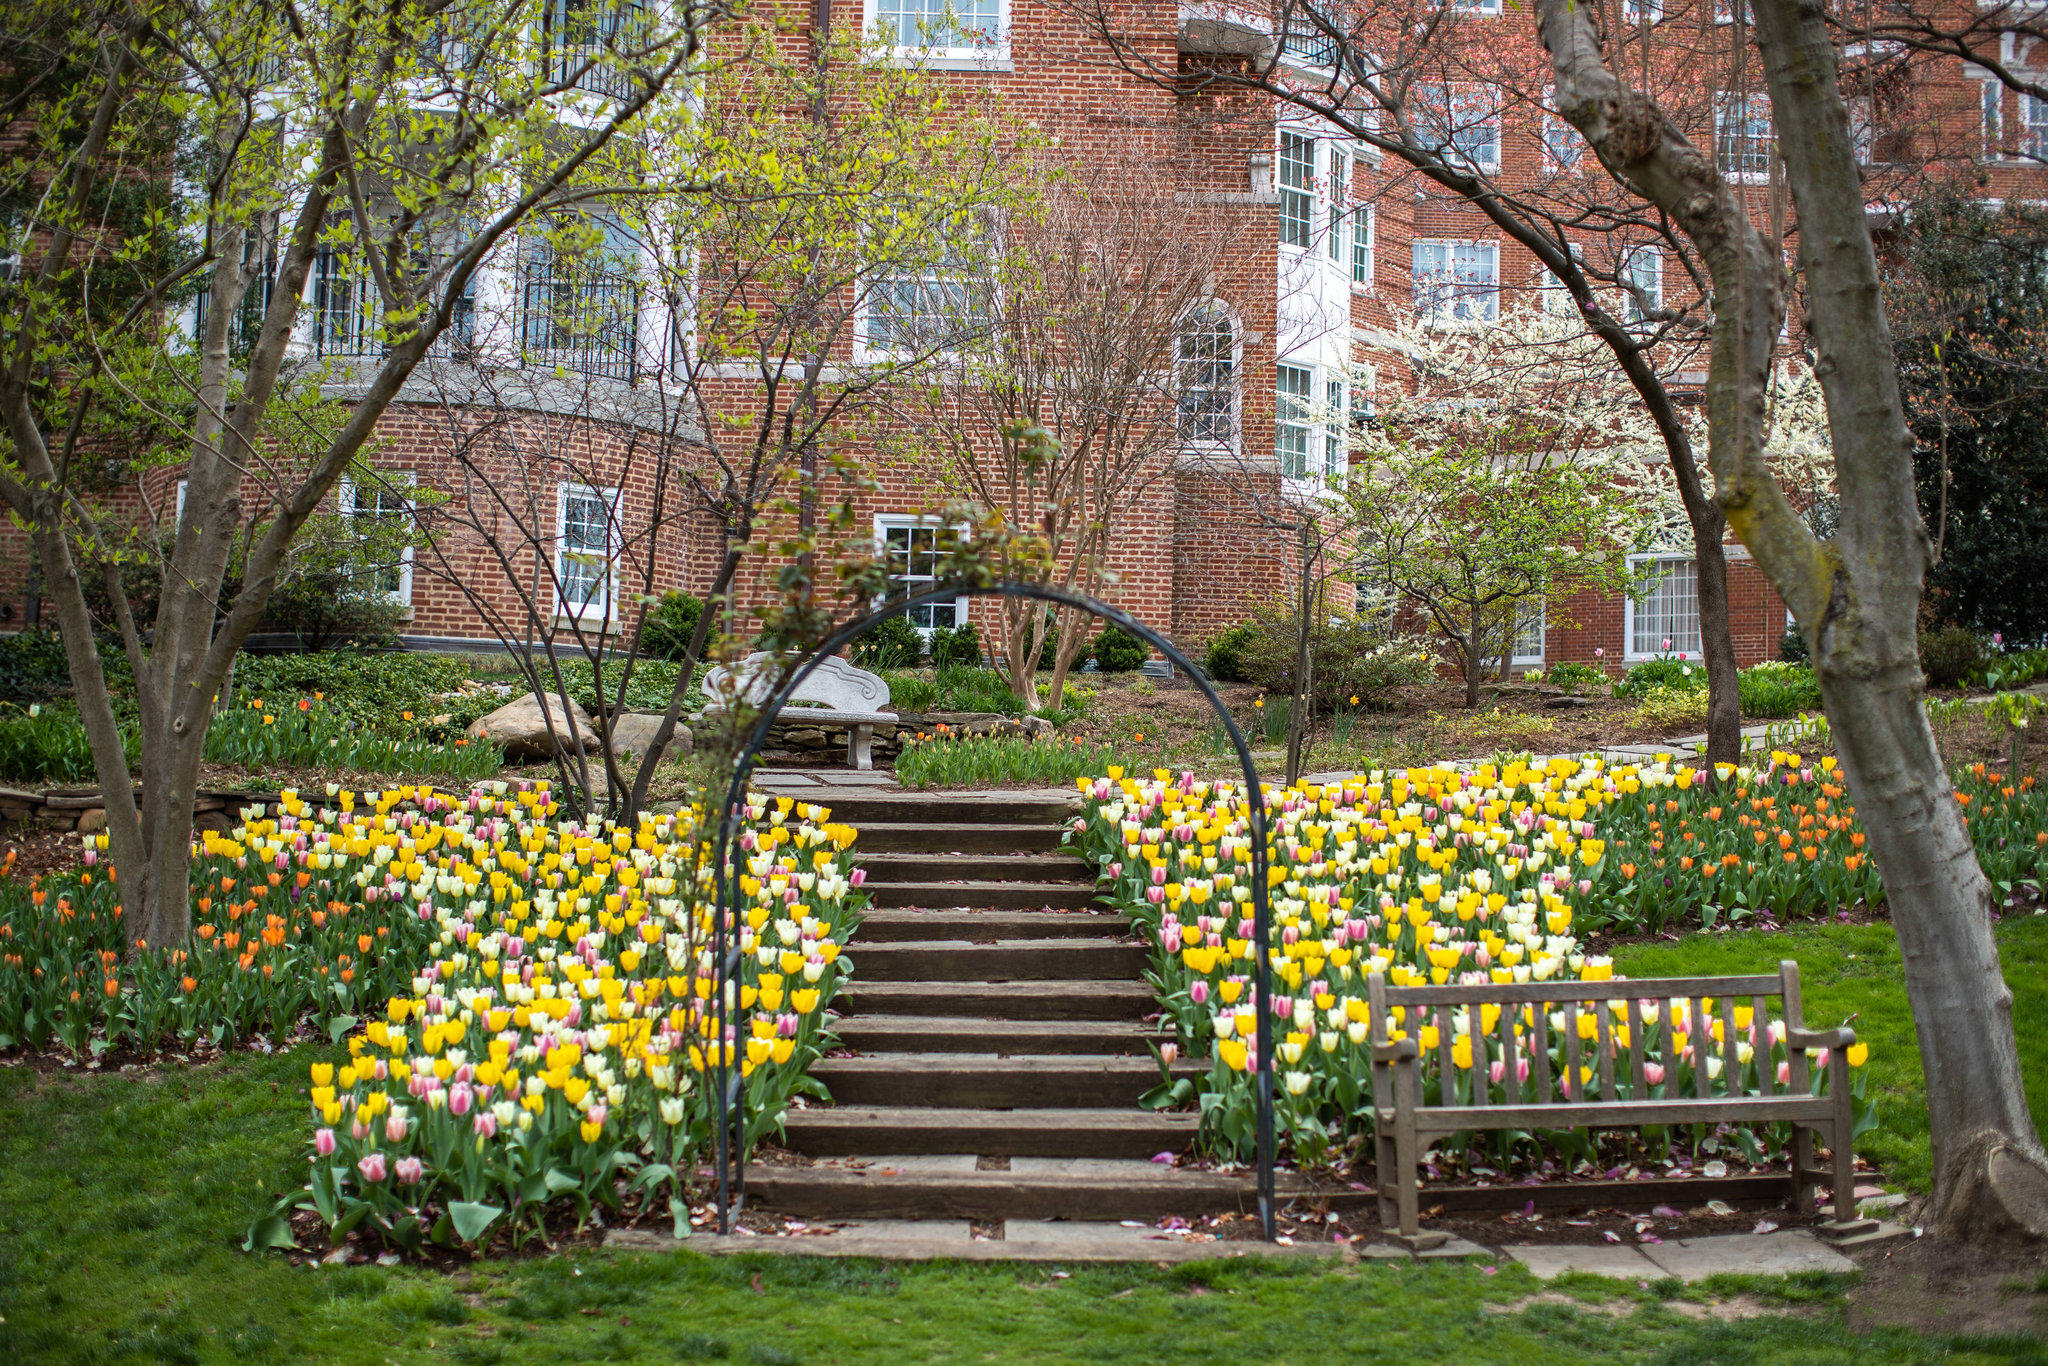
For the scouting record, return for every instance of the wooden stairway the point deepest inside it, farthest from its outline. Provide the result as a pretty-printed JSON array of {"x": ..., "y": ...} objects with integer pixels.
[{"x": 996, "y": 1018}]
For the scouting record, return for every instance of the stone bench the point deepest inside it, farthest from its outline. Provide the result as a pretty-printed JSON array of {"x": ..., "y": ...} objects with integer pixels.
[
  {"x": 837, "y": 696},
  {"x": 1578, "y": 1089}
]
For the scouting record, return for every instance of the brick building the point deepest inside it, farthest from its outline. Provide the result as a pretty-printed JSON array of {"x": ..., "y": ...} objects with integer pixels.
[{"x": 545, "y": 482}]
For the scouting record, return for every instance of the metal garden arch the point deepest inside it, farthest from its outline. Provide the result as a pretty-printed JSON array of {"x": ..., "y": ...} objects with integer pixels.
[{"x": 729, "y": 1095}]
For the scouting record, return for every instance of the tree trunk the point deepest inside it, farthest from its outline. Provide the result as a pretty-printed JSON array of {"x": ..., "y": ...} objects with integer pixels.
[{"x": 1717, "y": 644}]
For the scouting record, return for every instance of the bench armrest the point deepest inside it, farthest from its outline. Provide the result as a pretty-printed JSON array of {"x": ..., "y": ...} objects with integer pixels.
[{"x": 1797, "y": 1036}]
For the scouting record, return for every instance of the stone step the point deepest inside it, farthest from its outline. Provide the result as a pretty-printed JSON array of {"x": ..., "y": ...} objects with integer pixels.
[
  {"x": 895, "y": 926},
  {"x": 1050, "y": 999},
  {"x": 872, "y": 1129},
  {"x": 1018, "y": 896},
  {"x": 1015, "y": 960},
  {"x": 861, "y": 809},
  {"x": 880, "y": 1033},
  {"x": 1053, "y": 1191},
  {"x": 978, "y": 867},
  {"x": 917, "y": 837},
  {"x": 984, "y": 1081}
]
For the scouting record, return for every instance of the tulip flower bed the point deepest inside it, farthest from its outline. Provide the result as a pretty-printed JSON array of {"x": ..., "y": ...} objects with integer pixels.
[
  {"x": 540, "y": 992},
  {"x": 1431, "y": 875}
]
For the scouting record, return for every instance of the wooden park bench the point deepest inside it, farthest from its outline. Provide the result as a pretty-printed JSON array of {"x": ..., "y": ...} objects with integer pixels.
[
  {"x": 1534, "y": 1099},
  {"x": 836, "y": 695}
]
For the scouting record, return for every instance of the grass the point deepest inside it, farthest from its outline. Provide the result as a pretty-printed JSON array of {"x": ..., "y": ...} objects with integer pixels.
[
  {"x": 124, "y": 1196},
  {"x": 992, "y": 760},
  {"x": 1850, "y": 974}
]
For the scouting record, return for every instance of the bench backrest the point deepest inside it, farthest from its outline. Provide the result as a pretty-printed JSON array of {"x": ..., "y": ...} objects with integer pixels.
[
  {"x": 1525, "y": 1056},
  {"x": 835, "y": 683}
]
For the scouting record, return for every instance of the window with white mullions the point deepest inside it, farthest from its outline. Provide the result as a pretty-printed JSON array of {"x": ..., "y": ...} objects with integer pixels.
[
  {"x": 1991, "y": 102},
  {"x": 932, "y": 306},
  {"x": 580, "y": 300},
  {"x": 1564, "y": 147},
  {"x": 1463, "y": 120},
  {"x": 587, "y": 551},
  {"x": 381, "y": 513},
  {"x": 1456, "y": 282},
  {"x": 1312, "y": 29},
  {"x": 1663, "y": 615},
  {"x": 910, "y": 545},
  {"x": 1644, "y": 277},
  {"x": 1361, "y": 244},
  {"x": 1744, "y": 143},
  {"x": 2034, "y": 127},
  {"x": 584, "y": 39},
  {"x": 1208, "y": 377},
  {"x": 1336, "y": 448},
  {"x": 1339, "y": 189},
  {"x": 939, "y": 26},
  {"x": 1294, "y": 389},
  {"x": 1297, "y": 189}
]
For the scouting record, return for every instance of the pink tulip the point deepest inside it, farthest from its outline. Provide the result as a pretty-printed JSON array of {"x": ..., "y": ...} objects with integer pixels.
[
  {"x": 372, "y": 1167},
  {"x": 858, "y": 877},
  {"x": 410, "y": 1170},
  {"x": 1198, "y": 991},
  {"x": 460, "y": 1098},
  {"x": 1653, "y": 1073},
  {"x": 1283, "y": 1007},
  {"x": 1158, "y": 877},
  {"x": 1784, "y": 1074},
  {"x": 394, "y": 1127},
  {"x": 1496, "y": 1070},
  {"x": 485, "y": 1124},
  {"x": 1168, "y": 1053},
  {"x": 323, "y": 1142}
]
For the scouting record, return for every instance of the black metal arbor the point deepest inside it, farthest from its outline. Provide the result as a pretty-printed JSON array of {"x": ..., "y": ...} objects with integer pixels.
[{"x": 729, "y": 1086}]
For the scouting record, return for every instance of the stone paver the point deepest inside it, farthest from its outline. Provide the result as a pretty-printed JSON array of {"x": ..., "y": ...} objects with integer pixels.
[
  {"x": 1453, "y": 1250},
  {"x": 1758, "y": 1254},
  {"x": 935, "y": 1230},
  {"x": 924, "y": 1164},
  {"x": 1086, "y": 1166},
  {"x": 852, "y": 777},
  {"x": 1548, "y": 1260},
  {"x": 1084, "y": 1234}
]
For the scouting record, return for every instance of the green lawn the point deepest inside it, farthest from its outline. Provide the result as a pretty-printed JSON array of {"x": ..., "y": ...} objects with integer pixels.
[{"x": 123, "y": 1199}]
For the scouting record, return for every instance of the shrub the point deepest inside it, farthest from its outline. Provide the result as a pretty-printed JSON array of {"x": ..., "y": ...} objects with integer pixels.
[
  {"x": 1667, "y": 708},
  {"x": 1665, "y": 671},
  {"x": 1117, "y": 651},
  {"x": 1576, "y": 678},
  {"x": 893, "y": 644},
  {"x": 956, "y": 645},
  {"x": 1792, "y": 647},
  {"x": 1226, "y": 661},
  {"x": 1776, "y": 691},
  {"x": 1352, "y": 657},
  {"x": 1951, "y": 655},
  {"x": 47, "y": 744},
  {"x": 666, "y": 628},
  {"x": 325, "y": 607},
  {"x": 32, "y": 667}
]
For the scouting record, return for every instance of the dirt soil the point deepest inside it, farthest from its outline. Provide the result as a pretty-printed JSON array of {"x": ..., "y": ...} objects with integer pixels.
[{"x": 1984, "y": 1287}]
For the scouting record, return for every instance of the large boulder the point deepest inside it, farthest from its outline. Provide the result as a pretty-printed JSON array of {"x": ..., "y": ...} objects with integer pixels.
[
  {"x": 522, "y": 732},
  {"x": 633, "y": 732}
]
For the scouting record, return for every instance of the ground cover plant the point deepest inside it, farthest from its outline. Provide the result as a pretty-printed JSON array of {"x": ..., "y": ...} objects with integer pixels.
[
  {"x": 1430, "y": 875},
  {"x": 522, "y": 996},
  {"x": 945, "y": 758}
]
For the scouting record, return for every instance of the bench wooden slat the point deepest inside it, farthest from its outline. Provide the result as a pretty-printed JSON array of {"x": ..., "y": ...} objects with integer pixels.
[
  {"x": 1639, "y": 1085},
  {"x": 1448, "y": 1067},
  {"x": 1511, "y": 1087},
  {"x": 1482, "y": 1086},
  {"x": 1603, "y": 1039},
  {"x": 1731, "y": 1048},
  {"x": 1760, "y": 1047},
  {"x": 1574, "y": 1082},
  {"x": 1620, "y": 1114},
  {"x": 1541, "y": 1062},
  {"x": 1702, "y": 1048},
  {"x": 1664, "y": 1013},
  {"x": 1615, "y": 990}
]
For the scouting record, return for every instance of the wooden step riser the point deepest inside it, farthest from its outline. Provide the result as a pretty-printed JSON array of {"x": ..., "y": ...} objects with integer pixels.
[
  {"x": 918, "y": 866},
  {"x": 1008, "y": 896},
  {"x": 904, "y": 808},
  {"x": 898, "y": 926},
  {"x": 992, "y": 1196},
  {"x": 1043, "y": 1000},
  {"x": 1032, "y": 1133},
  {"x": 924, "y": 837},
  {"x": 1019, "y": 1037},
  {"x": 1048, "y": 960},
  {"x": 1076, "y": 1088}
]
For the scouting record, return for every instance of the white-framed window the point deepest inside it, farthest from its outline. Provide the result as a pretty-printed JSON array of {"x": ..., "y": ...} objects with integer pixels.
[
  {"x": 2034, "y": 127},
  {"x": 1725, "y": 11},
  {"x": 1457, "y": 282},
  {"x": 579, "y": 296},
  {"x": 935, "y": 305},
  {"x": 1208, "y": 390},
  {"x": 1294, "y": 395},
  {"x": 1633, "y": 11},
  {"x": 1551, "y": 294},
  {"x": 1564, "y": 147},
  {"x": 588, "y": 542},
  {"x": 910, "y": 544},
  {"x": 944, "y": 29},
  {"x": 1307, "y": 41},
  {"x": 178, "y": 515},
  {"x": 1743, "y": 141},
  {"x": 1476, "y": 6},
  {"x": 1644, "y": 274},
  {"x": 1991, "y": 104},
  {"x": 380, "y": 506},
  {"x": 1361, "y": 244},
  {"x": 1297, "y": 189},
  {"x": 1464, "y": 119},
  {"x": 1527, "y": 650},
  {"x": 1336, "y": 443},
  {"x": 1663, "y": 616},
  {"x": 1339, "y": 191},
  {"x": 13, "y": 238}
]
